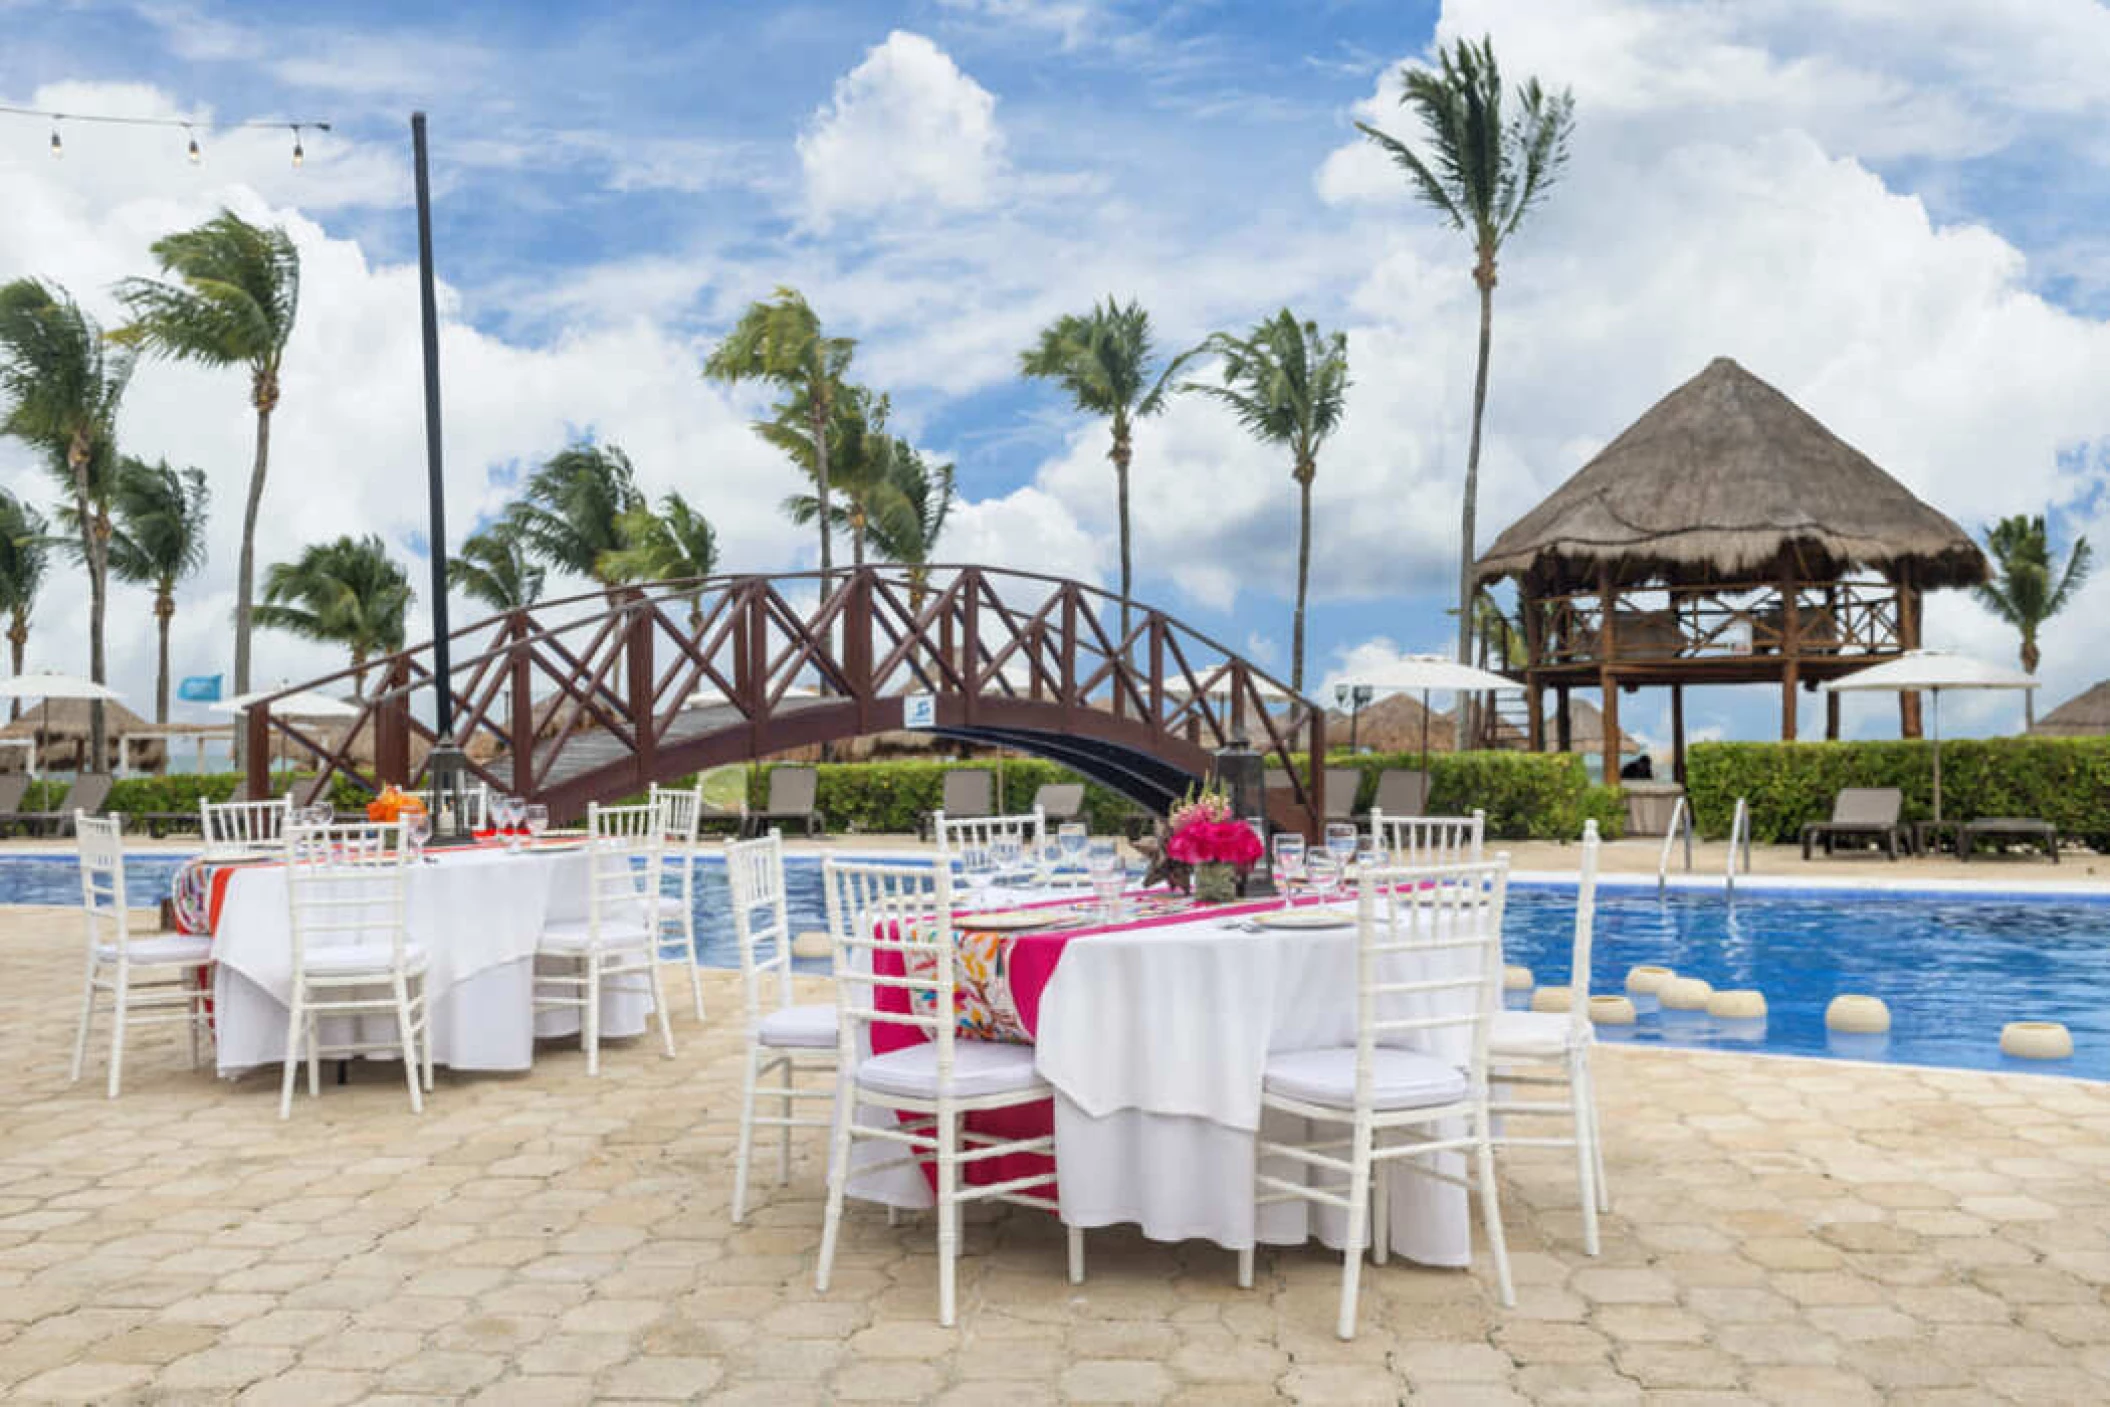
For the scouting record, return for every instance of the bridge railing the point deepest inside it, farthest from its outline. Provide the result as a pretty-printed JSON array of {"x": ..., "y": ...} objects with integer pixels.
[{"x": 594, "y": 694}]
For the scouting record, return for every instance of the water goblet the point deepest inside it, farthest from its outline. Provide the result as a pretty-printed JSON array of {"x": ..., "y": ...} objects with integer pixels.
[
  {"x": 1007, "y": 850},
  {"x": 1290, "y": 859},
  {"x": 536, "y": 818},
  {"x": 1102, "y": 862},
  {"x": 417, "y": 829},
  {"x": 978, "y": 868},
  {"x": 1322, "y": 871},
  {"x": 1072, "y": 837},
  {"x": 1340, "y": 842},
  {"x": 1367, "y": 855}
]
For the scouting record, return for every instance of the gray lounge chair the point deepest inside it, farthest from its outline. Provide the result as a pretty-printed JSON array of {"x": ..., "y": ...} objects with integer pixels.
[
  {"x": 1342, "y": 784},
  {"x": 1402, "y": 792},
  {"x": 1864, "y": 813},
  {"x": 967, "y": 791},
  {"x": 1059, "y": 802},
  {"x": 792, "y": 793},
  {"x": 89, "y": 792}
]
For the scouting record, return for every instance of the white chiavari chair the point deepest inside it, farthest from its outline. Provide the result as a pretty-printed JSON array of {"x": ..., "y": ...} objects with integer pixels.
[
  {"x": 954, "y": 834},
  {"x": 139, "y": 981},
  {"x": 1416, "y": 841},
  {"x": 936, "y": 1082},
  {"x": 784, "y": 1040},
  {"x": 345, "y": 888},
  {"x": 616, "y": 945},
  {"x": 1428, "y": 972},
  {"x": 681, "y": 817},
  {"x": 1548, "y": 1050},
  {"x": 233, "y": 829}
]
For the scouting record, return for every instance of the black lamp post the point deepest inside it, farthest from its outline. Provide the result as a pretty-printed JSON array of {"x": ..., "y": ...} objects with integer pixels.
[
  {"x": 1355, "y": 698},
  {"x": 446, "y": 766}
]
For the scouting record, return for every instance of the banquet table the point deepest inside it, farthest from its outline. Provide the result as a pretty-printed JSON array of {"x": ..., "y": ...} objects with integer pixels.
[
  {"x": 1154, "y": 1033},
  {"x": 477, "y": 912}
]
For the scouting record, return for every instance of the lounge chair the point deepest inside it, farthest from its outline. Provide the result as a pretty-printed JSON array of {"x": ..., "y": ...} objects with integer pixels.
[
  {"x": 2001, "y": 831},
  {"x": 1060, "y": 802},
  {"x": 1867, "y": 813},
  {"x": 792, "y": 792},
  {"x": 90, "y": 792},
  {"x": 967, "y": 792},
  {"x": 1342, "y": 784},
  {"x": 1402, "y": 792}
]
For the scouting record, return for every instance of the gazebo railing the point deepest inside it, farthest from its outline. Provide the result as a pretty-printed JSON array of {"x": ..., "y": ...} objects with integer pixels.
[{"x": 1734, "y": 620}]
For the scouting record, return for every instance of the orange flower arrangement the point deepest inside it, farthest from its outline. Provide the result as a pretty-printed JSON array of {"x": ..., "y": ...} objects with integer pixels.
[{"x": 393, "y": 804}]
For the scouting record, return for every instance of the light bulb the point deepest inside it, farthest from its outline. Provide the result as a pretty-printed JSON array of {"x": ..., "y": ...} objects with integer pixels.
[
  {"x": 196, "y": 156},
  {"x": 58, "y": 148},
  {"x": 298, "y": 155}
]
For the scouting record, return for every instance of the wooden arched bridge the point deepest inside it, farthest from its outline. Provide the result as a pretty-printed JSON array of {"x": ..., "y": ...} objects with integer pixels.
[{"x": 596, "y": 696}]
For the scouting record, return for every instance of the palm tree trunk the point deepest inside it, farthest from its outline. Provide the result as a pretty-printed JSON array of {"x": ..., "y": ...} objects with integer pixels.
[
  {"x": 164, "y": 612},
  {"x": 358, "y": 672},
  {"x": 2031, "y": 658},
  {"x": 245, "y": 563},
  {"x": 1304, "y": 475},
  {"x": 94, "y": 549},
  {"x": 818, "y": 418},
  {"x": 17, "y": 649},
  {"x": 1484, "y": 276},
  {"x": 857, "y": 534},
  {"x": 1120, "y": 456}
]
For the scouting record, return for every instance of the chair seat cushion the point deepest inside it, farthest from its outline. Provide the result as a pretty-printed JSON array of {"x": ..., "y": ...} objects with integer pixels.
[
  {"x": 979, "y": 1068},
  {"x": 342, "y": 959},
  {"x": 1399, "y": 1079},
  {"x": 1530, "y": 1034},
  {"x": 169, "y": 948},
  {"x": 576, "y": 935},
  {"x": 806, "y": 1027}
]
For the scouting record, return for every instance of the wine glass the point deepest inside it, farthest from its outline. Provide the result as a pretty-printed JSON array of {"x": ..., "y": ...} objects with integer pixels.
[
  {"x": 1322, "y": 872},
  {"x": 1340, "y": 843},
  {"x": 536, "y": 818},
  {"x": 1290, "y": 859},
  {"x": 1102, "y": 861},
  {"x": 1367, "y": 856},
  {"x": 508, "y": 809},
  {"x": 1072, "y": 837},
  {"x": 417, "y": 829},
  {"x": 1007, "y": 849},
  {"x": 978, "y": 867}
]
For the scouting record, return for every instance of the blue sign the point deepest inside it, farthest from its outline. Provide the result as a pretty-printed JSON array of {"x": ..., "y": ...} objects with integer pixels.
[
  {"x": 200, "y": 688},
  {"x": 919, "y": 711}
]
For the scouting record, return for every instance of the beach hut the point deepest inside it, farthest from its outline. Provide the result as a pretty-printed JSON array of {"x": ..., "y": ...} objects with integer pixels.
[
  {"x": 2085, "y": 715},
  {"x": 1725, "y": 537}
]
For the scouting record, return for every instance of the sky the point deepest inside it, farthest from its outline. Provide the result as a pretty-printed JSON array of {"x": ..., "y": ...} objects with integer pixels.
[{"x": 1893, "y": 210}]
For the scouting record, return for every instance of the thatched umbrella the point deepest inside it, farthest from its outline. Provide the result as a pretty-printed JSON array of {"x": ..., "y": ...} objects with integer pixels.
[
  {"x": 2085, "y": 715},
  {"x": 1398, "y": 723},
  {"x": 1716, "y": 482},
  {"x": 59, "y": 727}
]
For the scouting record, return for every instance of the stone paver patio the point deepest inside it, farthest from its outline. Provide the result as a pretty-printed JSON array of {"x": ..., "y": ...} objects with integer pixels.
[{"x": 1785, "y": 1231}]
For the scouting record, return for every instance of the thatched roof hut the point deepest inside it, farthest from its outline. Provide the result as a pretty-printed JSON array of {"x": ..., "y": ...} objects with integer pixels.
[
  {"x": 60, "y": 728},
  {"x": 1725, "y": 537},
  {"x": 1724, "y": 480},
  {"x": 1394, "y": 723},
  {"x": 2085, "y": 715}
]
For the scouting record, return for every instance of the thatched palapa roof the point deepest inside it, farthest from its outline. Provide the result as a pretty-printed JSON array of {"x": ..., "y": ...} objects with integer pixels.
[
  {"x": 2085, "y": 715},
  {"x": 1725, "y": 480}
]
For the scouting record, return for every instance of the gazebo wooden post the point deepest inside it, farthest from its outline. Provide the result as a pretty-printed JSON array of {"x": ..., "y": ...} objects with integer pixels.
[
  {"x": 1908, "y": 638},
  {"x": 1790, "y": 649},
  {"x": 1563, "y": 729},
  {"x": 1831, "y": 717},
  {"x": 1534, "y": 691},
  {"x": 1607, "y": 651},
  {"x": 1677, "y": 733}
]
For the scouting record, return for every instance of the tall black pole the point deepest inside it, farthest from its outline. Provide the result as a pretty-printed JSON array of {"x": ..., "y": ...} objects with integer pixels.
[{"x": 435, "y": 478}]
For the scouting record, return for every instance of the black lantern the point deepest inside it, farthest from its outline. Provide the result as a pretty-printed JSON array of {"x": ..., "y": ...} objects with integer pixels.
[
  {"x": 1240, "y": 776},
  {"x": 447, "y": 773}
]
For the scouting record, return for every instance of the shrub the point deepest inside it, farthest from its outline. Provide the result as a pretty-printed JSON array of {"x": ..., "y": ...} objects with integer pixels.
[
  {"x": 894, "y": 796},
  {"x": 1526, "y": 795},
  {"x": 2062, "y": 780}
]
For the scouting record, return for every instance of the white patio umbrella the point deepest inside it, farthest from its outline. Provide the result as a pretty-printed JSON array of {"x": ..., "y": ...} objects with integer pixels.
[
  {"x": 1432, "y": 674},
  {"x": 301, "y": 703},
  {"x": 1932, "y": 671},
  {"x": 46, "y": 687}
]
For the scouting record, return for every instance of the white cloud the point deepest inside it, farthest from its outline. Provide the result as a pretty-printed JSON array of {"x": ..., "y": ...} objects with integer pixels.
[{"x": 905, "y": 128}]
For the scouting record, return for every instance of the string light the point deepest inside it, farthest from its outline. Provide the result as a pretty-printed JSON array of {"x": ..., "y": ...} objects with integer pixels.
[{"x": 192, "y": 149}]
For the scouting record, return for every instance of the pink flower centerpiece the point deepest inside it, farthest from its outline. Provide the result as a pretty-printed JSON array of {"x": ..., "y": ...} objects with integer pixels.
[{"x": 1221, "y": 848}]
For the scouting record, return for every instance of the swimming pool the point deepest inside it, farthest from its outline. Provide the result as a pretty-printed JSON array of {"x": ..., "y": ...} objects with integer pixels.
[{"x": 1953, "y": 968}]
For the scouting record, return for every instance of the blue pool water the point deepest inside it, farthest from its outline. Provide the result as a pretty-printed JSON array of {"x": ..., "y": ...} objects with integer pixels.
[{"x": 1953, "y": 969}]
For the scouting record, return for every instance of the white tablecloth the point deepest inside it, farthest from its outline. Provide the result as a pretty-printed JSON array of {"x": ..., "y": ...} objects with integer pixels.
[
  {"x": 478, "y": 914},
  {"x": 1155, "y": 1039}
]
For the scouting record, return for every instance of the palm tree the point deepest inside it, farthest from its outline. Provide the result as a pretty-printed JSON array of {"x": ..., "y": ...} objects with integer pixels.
[
  {"x": 1103, "y": 360},
  {"x": 349, "y": 592},
  {"x": 780, "y": 342},
  {"x": 909, "y": 514},
  {"x": 858, "y": 455},
  {"x": 232, "y": 301},
  {"x": 493, "y": 567},
  {"x": 677, "y": 543},
  {"x": 1287, "y": 382},
  {"x": 24, "y": 555},
  {"x": 569, "y": 514},
  {"x": 160, "y": 540},
  {"x": 62, "y": 384},
  {"x": 2023, "y": 591},
  {"x": 1486, "y": 170}
]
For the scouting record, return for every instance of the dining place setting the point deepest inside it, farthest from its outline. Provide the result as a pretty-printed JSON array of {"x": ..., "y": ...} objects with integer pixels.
[
  {"x": 1017, "y": 1020},
  {"x": 299, "y": 935}
]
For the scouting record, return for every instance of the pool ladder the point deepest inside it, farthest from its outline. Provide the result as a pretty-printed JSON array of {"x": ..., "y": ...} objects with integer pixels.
[{"x": 1681, "y": 827}]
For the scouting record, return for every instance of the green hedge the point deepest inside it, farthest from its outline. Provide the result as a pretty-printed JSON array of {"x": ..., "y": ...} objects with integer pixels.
[
  {"x": 1526, "y": 795},
  {"x": 894, "y": 796},
  {"x": 2062, "y": 780}
]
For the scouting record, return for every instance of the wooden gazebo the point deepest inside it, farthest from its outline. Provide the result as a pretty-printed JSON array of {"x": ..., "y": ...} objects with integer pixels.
[{"x": 1726, "y": 537}]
